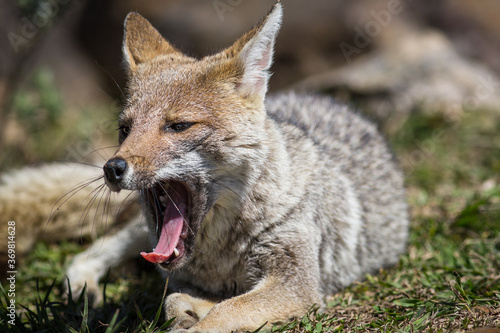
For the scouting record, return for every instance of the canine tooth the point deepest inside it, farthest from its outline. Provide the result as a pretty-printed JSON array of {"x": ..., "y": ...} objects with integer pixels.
[
  {"x": 176, "y": 252},
  {"x": 163, "y": 199}
]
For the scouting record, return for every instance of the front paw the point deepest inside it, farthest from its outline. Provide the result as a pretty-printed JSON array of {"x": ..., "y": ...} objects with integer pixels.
[
  {"x": 80, "y": 276},
  {"x": 191, "y": 330},
  {"x": 181, "y": 308}
]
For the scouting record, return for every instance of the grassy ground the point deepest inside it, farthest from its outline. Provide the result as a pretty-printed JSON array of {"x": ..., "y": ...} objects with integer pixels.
[{"x": 449, "y": 280}]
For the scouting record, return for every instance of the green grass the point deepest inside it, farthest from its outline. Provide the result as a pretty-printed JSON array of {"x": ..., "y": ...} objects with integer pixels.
[
  {"x": 47, "y": 315},
  {"x": 449, "y": 280}
]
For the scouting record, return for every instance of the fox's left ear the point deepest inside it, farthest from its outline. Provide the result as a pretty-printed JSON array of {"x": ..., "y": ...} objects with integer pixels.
[{"x": 253, "y": 53}]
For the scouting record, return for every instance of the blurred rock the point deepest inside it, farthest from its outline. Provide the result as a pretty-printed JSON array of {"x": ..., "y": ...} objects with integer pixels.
[{"x": 411, "y": 70}]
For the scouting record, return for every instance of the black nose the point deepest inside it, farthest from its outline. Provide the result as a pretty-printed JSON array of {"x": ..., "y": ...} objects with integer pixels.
[{"x": 114, "y": 170}]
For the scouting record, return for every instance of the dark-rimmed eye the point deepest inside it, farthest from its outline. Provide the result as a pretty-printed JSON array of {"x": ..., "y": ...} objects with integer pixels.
[
  {"x": 178, "y": 127},
  {"x": 123, "y": 132}
]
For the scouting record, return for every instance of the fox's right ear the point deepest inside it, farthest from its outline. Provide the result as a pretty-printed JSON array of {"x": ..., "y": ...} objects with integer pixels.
[{"x": 142, "y": 42}]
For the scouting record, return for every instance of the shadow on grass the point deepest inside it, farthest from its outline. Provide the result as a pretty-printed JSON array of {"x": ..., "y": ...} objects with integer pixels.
[{"x": 139, "y": 311}]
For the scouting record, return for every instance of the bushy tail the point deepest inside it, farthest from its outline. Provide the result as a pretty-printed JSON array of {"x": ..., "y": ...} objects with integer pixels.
[{"x": 59, "y": 201}]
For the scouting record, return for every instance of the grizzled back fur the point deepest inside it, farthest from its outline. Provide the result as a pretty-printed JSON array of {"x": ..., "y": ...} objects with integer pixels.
[
  {"x": 359, "y": 193},
  {"x": 248, "y": 197}
]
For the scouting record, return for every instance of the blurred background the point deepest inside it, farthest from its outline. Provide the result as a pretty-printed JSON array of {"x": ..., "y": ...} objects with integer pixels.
[{"x": 62, "y": 81}]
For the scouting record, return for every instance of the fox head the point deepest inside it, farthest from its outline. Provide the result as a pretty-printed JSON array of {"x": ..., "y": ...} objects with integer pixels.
[{"x": 192, "y": 130}]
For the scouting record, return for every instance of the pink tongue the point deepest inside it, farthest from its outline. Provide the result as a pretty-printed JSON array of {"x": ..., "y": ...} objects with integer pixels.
[{"x": 173, "y": 222}]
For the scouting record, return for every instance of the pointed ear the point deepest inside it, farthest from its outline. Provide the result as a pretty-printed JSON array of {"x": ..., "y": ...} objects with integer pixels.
[
  {"x": 142, "y": 42},
  {"x": 254, "y": 54}
]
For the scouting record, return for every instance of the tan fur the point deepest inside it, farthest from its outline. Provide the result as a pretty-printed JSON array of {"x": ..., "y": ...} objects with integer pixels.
[{"x": 281, "y": 200}]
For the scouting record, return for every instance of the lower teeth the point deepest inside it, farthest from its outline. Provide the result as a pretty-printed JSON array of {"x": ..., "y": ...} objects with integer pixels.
[{"x": 176, "y": 252}]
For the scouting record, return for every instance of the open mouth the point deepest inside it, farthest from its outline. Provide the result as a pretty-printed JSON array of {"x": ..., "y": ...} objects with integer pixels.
[{"x": 169, "y": 204}]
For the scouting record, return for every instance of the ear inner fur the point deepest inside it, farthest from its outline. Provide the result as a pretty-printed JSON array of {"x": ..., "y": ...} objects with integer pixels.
[{"x": 253, "y": 53}]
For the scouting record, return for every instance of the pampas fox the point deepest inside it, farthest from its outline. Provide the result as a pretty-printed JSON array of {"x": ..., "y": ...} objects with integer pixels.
[{"x": 257, "y": 206}]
